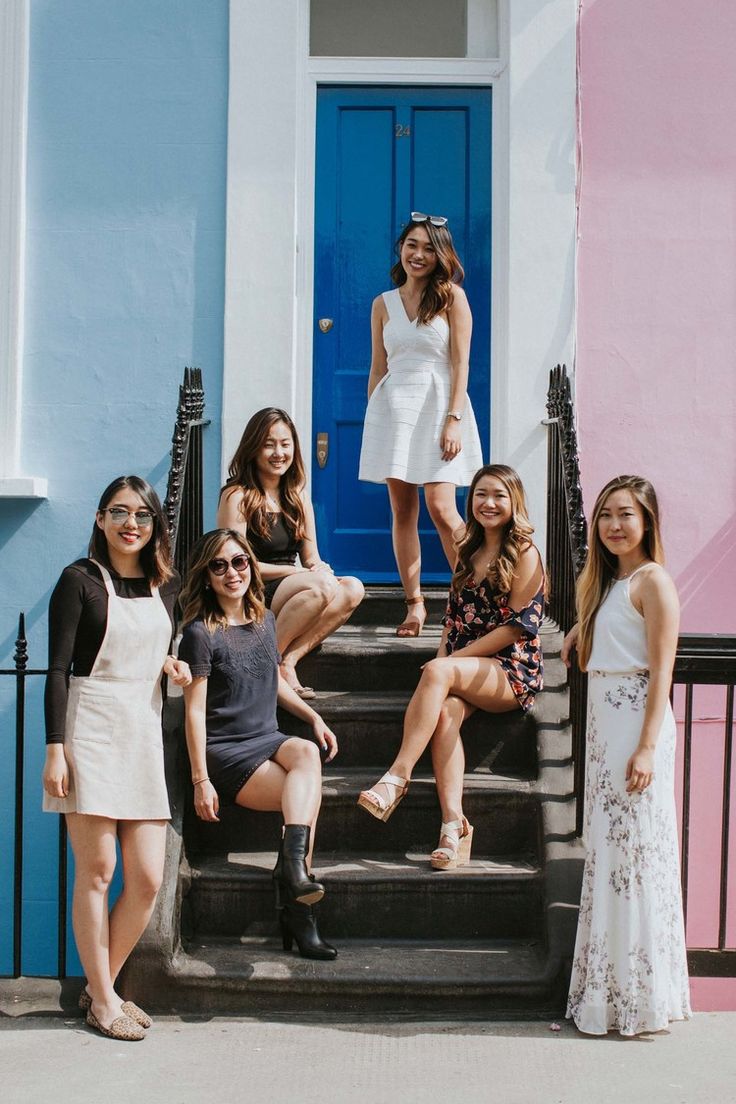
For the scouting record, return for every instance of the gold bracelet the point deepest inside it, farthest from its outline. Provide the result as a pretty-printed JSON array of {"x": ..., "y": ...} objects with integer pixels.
[{"x": 200, "y": 780}]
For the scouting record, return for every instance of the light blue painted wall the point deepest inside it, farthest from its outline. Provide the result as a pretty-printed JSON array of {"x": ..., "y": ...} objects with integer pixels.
[{"x": 125, "y": 258}]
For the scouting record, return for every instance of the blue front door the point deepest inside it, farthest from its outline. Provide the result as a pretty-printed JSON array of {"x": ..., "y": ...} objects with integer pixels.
[{"x": 381, "y": 153}]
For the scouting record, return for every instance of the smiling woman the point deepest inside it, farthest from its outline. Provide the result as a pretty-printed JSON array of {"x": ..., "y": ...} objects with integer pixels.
[
  {"x": 419, "y": 425},
  {"x": 110, "y": 627}
]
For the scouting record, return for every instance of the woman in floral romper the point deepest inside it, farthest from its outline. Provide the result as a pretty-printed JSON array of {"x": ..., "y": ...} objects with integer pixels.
[
  {"x": 489, "y": 656},
  {"x": 630, "y": 967}
]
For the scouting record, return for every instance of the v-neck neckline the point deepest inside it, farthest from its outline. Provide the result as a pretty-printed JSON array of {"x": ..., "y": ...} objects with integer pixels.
[{"x": 411, "y": 321}]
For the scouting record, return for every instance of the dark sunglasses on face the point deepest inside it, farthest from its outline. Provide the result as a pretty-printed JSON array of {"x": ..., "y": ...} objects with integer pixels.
[
  {"x": 119, "y": 515},
  {"x": 436, "y": 220},
  {"x": 240, "y": 563}
]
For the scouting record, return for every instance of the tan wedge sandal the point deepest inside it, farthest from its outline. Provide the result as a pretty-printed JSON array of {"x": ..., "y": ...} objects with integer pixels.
[
  {"x": 410, "y": 626},
  {"x": 460, "y": 835},
  {"x": 379, "y": 806}
]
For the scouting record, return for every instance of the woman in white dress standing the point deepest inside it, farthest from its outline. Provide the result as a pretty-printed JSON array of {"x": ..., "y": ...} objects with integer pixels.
[
  {"x": 110, "y": 629},
  {"x": 419, "y": 425},
  {"x": 630, "y": 966}
]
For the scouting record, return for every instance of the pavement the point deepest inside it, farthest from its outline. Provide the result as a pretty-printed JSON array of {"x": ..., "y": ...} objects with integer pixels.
[{"x": 56, "y": 1058}]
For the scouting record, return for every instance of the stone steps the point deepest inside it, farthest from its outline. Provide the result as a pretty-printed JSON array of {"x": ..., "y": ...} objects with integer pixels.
[
  {"x": 379, "y": 897},
  {"x": 483, "y": 979}
]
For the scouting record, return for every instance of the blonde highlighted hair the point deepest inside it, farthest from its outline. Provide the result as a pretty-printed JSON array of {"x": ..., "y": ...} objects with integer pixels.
[
  {"x": 601, "y": 566},
  {"x": 199, "y": 600},
  {"x": 515, "y": 540}
]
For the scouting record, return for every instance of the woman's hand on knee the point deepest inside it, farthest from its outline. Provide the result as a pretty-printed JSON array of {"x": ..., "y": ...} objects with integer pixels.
[
  {"x": 56, "y": 771},
  {"x": 325, "y": 737},
  {"x": 206, "y": 801}
]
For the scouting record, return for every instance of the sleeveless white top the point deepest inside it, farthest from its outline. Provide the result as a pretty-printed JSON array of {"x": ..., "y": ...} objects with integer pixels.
[
  {"x": 407, "y": 411},
  {"x": 619, "y": 635}
]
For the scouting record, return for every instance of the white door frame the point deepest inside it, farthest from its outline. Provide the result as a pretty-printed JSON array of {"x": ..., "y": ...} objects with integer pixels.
[{"x": 270, "y": 212}]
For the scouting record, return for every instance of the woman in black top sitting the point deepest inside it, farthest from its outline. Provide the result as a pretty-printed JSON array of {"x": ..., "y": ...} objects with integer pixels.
[
  {"x": 110, "y": 629},
  {"x": 235, "y": 748},
  {"x": 265, "y": 496}
]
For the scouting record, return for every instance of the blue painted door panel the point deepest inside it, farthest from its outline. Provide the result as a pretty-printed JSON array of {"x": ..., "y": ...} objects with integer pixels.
[{"x": 381, "y": 153}]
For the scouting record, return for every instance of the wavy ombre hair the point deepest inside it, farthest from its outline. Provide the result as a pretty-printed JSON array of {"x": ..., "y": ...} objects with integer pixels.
[
  {"x": 601, "y": 566},
  {"x": 199, "y": 600},
  {"x": 243, "y": 475},
  {"x": 437, "y": 295},
  {"x": 516, "y": 538},
  {"x": 155, "y": 556}
]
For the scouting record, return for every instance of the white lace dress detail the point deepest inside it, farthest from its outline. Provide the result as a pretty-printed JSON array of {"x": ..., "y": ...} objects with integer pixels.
[{"x": 630, "y": 967}]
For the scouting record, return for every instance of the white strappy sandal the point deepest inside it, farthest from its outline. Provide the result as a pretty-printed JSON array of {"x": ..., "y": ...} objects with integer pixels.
[
  {"x": 460, "y": 835},
  {"x": 376, "y": 804}
]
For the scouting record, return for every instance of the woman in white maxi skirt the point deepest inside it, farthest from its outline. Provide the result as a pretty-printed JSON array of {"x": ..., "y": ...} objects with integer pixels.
[
  {"x": 630, "y": 966},
  {"x": 419, "y": 425},
  {"x": 110, "y": 626}
]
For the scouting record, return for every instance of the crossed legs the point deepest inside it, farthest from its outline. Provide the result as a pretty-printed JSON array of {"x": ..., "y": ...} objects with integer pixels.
[{"x": 290, "y": 783}]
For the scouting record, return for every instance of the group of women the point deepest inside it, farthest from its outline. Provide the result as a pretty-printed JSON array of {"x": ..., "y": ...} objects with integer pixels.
[{"x": 257, "y": 598}]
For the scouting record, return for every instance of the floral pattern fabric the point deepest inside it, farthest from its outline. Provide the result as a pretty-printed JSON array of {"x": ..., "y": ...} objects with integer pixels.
[
  {"x": 630, "y": 967},
  {"x": 476, "y": 610}
]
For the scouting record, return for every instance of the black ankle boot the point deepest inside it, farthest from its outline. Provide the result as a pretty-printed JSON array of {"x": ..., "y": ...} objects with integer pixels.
[
  {"x": 290, "y": 876},
  {"x": 298, "y": 923}
]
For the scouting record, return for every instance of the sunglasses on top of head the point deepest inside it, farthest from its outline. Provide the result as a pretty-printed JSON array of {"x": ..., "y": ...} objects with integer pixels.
[
  {"x": 436, "y": 220},
  {"x": 220, "y": 566}
]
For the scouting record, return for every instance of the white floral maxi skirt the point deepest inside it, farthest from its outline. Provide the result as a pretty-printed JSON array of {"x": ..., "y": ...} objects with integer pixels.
[{"x": 629, "y": 970}]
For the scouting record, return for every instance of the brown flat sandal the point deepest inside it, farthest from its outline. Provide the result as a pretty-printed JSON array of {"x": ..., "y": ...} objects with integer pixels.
[
  {"x": 410, "y": 626},
  {"x": 129, "y": 1009},
  {"x": 122, "y": 1028}
]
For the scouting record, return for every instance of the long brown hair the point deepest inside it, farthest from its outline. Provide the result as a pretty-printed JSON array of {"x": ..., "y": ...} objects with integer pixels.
[
  {"x": 437, "y": 295},
  {"x": 243, "y": 474},
  {"x": 198, "y": 599},
  {"x": 155, "y": 556},
  {"x": 516, "y": 537},
  {"x": 601, "y": 566}
]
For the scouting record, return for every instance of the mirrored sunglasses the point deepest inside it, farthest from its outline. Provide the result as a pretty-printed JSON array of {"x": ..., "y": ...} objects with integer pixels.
[
  {"x": 436, "y": 220},
  {"x": 220, "y": 566}
]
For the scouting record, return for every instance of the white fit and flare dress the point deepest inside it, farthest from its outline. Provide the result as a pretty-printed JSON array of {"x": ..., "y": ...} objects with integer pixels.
[
  {"x": 629, "y": 970},
  {"x": 407, "y": 411}
]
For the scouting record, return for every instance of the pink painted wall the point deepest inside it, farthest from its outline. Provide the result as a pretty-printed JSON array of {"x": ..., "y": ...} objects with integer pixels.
[{"x": 656, "y": 336}]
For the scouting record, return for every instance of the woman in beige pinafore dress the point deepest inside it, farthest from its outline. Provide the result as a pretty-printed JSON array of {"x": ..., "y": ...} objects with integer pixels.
[{"x": 110, "y": 626}]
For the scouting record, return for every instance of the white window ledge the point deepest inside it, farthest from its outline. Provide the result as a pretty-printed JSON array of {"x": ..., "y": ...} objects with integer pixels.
[{"x": 24, "y": 486}]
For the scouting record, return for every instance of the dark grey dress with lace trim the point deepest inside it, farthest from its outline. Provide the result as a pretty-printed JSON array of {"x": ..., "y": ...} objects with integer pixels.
[{"x": 240, "y": 664}]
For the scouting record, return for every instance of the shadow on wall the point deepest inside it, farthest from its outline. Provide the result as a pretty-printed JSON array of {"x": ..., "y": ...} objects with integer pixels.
[{"x": 696, "y": 585}]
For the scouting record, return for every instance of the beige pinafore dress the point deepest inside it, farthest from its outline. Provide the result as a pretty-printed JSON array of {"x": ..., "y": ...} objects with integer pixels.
[{"x": 113, "y": 738}]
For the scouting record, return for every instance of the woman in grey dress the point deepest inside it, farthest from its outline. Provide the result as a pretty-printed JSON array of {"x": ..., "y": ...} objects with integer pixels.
[{"x": 236, "y": 751}]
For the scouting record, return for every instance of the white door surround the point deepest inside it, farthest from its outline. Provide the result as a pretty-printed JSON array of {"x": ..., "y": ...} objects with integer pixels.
[{"x": 270, "y": 213}]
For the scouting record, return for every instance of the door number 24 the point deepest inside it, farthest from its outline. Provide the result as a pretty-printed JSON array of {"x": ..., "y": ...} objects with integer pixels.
[{"x": 401, "y": 131}]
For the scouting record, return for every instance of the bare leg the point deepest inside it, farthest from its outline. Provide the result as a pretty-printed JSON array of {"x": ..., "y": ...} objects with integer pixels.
[
  {"x": 347, "y": 597},
  {"x": 448, "y": 757},
  {"x": 442, "y": 506},
  {"x": 143, "y": 847},
  {"x": 298, "y": 606},
  {"x": 404, "y": 498},
  {"x": 93, "y": 844},
  {"x": 479, "y": 681},
  {"x": 290, "y": 783}
]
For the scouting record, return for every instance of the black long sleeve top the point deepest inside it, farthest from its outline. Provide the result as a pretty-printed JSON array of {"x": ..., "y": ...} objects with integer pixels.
[{"x": 77, "y": 623}]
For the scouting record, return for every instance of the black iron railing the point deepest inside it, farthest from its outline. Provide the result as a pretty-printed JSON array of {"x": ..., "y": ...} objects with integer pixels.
[
  {"x": 183, "y": 508},
  {"x": 184, "y": 491},
  {"x": 708, "y": 660},
  {"x": 566, "y": 548}
]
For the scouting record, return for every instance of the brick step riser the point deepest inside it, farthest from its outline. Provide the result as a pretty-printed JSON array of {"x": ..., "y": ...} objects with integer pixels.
[
  {"x": 505, "y": 744},
  {"x": 498, "y": 910},
  {"x": 504, "y": 826}
]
